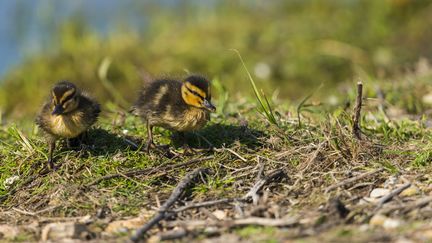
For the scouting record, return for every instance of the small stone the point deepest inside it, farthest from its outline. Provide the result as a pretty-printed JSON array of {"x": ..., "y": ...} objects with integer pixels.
[
  {"x": 122, "y": 226},
  {"x": 59, "y": 231},
  {"x": 219, "y": 214},
  {"x": 10, "y": 181},
  {"x": 392, "y": 223},
  {"x": 379, "y": 192},
  {"x": 403, "y": 240},
  {"x": 377, "y": 220},
  {"x": 424, "y": 235},
  {"x": 411, "y": 191},
  {"x": 8, "y": 232},
  {"x": 385, "y": 222}
]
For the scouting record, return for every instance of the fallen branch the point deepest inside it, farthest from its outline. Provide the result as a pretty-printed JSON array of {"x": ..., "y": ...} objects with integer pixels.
[
  {"x": 418, "y": 204},
  {"x": 148, "y": 171},
  {"x": 406, "y": 208},
  {"x": 205, "y": 204},
  {"x": 357, "y": 111},
  {"x": 169, "y": 235},
  {"x": 392, "y": 194},
  {"x": 352, "y": 179},
  {"x": 175, "y": 195},
  {"x": 253, "y": 192},
  {"x": 194, "y": 224}
]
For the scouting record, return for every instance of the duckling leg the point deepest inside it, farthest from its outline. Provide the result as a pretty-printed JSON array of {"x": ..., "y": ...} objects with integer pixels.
[
  {"x": 51, "y": 147},
  {"x": 149, "y": 143},
  {"x": 187, "y": 149}
]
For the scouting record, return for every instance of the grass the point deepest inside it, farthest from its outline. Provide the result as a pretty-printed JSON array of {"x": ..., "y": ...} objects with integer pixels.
[{"x": 316, "y": 155}]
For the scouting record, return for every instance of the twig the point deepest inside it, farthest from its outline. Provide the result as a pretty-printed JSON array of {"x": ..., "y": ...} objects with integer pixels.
[
  {"x": 131, "y": 143},
  {"x": 175, "y": 195},
  {"x": 205, "y": 204},
  {"x": 393, "y": 193},
  {"x": 236, "y": 154},
  {"x": 149, "y": 170},
  {"x": 406, "y": 208},
  {"x": 193, "y": 224},
  {"x": 253, "y": 192},
  {"x": 357, "y": 111},
  {"x": 353, "y": 179},
  {"x": 418, "y": 204},
  {"x": 261, "y": 171},
  {"x": 169, "y": 235}
]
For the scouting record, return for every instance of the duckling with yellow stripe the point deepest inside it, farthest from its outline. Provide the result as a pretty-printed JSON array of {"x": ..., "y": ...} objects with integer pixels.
[
  {"x": 67, "y": 114},
  {"x": 180, "y": 106}
]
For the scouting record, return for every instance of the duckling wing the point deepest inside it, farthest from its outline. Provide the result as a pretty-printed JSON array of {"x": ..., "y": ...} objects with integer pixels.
[
  {"x": 43, "y": 116},
  {"x": 158, "y": 98},
  {"x": 90, "y": 109}
]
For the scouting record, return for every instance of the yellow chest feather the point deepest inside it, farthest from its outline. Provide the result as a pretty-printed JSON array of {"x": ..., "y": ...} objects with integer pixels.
[{"x": 68, "y": 126}]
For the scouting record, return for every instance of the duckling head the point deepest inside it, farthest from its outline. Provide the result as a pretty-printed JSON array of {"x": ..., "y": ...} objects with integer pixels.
[
  {"x": 196, "y": 92},
  {"x": 64, "y": 98}
]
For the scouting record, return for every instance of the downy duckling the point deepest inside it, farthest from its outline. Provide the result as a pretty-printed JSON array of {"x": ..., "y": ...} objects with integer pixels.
[
  {"x": 67, "y": 114},
  {"x": 180, "y": 106}
]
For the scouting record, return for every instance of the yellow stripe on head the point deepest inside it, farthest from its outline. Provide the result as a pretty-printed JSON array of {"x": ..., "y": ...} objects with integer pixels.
[
  {"x": 195, "y": 89},
  {"x": 67, "y": 94},
  {"x": 54, "y": 97}
]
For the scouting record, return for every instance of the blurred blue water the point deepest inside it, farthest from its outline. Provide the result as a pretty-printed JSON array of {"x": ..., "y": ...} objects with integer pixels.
[{"x": 26, "y": 27}]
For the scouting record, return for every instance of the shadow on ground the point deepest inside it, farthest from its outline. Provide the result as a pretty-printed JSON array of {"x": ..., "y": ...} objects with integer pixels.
[
  {"x": 220, "y": 135},
  {"x": 100, "y": 142}
]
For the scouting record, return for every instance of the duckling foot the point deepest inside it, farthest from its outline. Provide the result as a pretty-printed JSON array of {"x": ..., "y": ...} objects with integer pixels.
[
  {"x": 50, "y": 164},
  {"x": 188, "y": 150},
  {"x": 149, "y": 145},
  {"x": 50, "y": 167}
]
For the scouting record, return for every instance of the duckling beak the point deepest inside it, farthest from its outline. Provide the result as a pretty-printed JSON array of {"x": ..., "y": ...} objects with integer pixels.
[
  {"x": 209, "y": 106},
  {"x": 58, "y": 110}
]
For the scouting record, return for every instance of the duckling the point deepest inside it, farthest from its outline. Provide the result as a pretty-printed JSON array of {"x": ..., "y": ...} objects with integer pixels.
[
  {"x": 180, "y": 106},
  {"x": 67, "y": 114}
]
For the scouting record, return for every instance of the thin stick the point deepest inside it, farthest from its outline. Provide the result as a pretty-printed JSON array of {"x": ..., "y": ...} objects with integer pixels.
[
  {"x": 353, "y": 179},
  {"x": 236, "y": 154},
  {"x": 392, "y": 194},
  {"x": 149, "y": 170},
  {"x": 175, "y": 195},
  {"x": 169, "y": 235},
  {"x": 205, "y": 204},
  {"x": 253, "y": 192},
  {"x": 406, "y": 208},
  {"x": 357, "y": 111},
  {"x": 193, "y": 224}
]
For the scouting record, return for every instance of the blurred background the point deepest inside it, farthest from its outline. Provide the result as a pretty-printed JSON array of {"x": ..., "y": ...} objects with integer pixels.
[{"x": 291, "y": 46}]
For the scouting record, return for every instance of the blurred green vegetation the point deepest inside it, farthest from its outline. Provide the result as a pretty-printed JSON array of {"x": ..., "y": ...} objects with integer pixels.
[{"x": 293, "y": 46}]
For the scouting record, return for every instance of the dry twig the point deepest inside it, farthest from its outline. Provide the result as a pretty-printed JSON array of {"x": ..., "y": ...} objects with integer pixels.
[
  {"x": 175, "y": 195},
  {"x": 357, "y": 111},
  {"x": 392, "y": 194},
  {"x": 253, "y": 192},
  {"x": 406, "y": 208},
  {"x": 353, "y": 179},
  {"x": 169, "y": 235},
  {"x": 194, "y": 224},
  {"x": 205, "y": 204}
]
